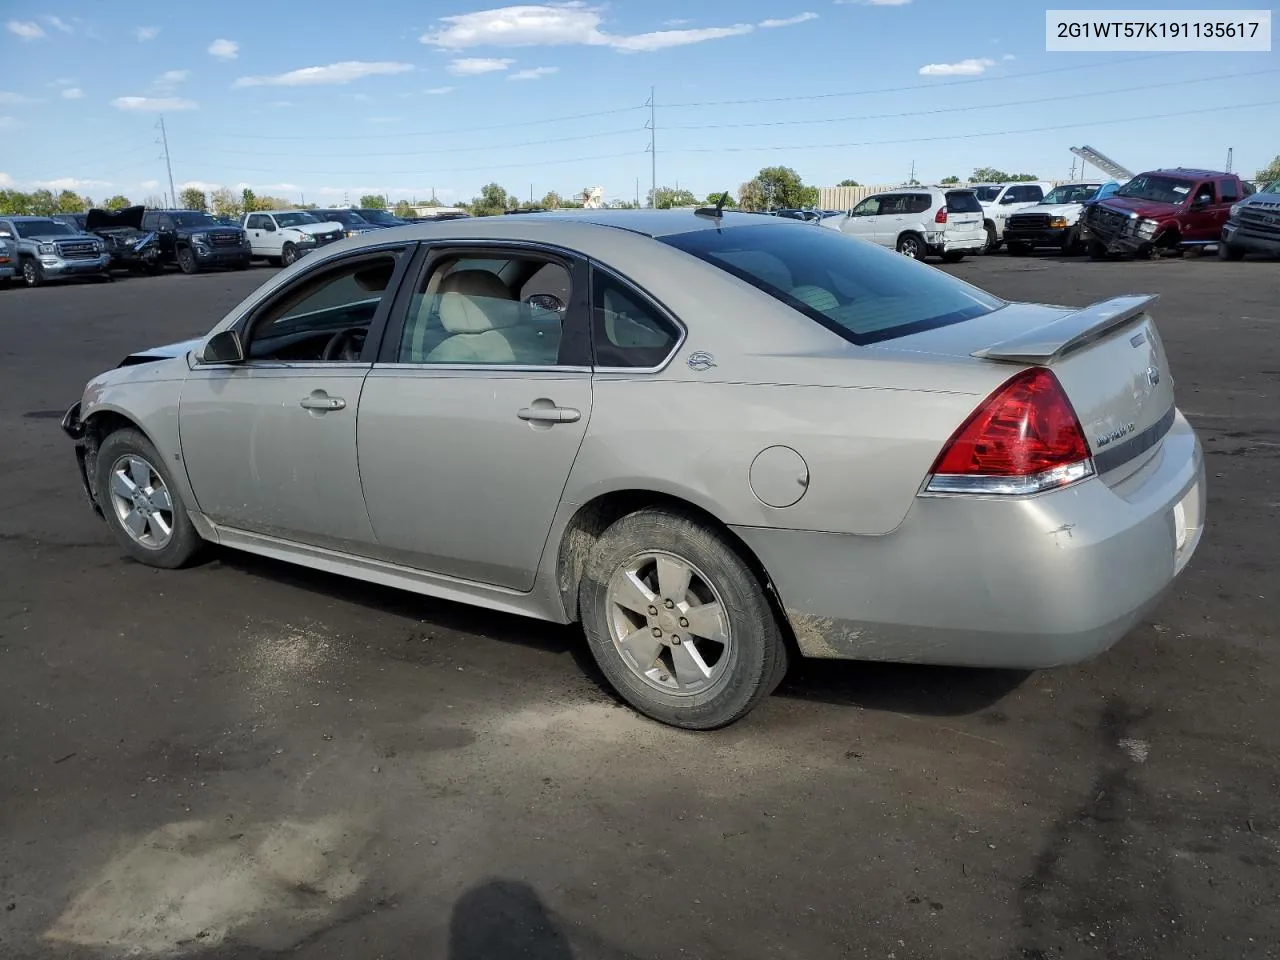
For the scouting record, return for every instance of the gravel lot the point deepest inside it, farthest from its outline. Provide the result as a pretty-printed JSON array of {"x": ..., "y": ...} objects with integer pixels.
[{"x": 249, "y": 760}]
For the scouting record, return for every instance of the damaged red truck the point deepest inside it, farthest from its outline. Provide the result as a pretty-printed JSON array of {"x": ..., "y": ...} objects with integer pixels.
[{"x": 1163, "y": 211}]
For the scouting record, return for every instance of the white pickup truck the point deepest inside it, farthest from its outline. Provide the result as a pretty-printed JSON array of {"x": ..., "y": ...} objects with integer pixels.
[
  {"x": 1001, "y": 200},
  {"x": 282, "y": 236}
]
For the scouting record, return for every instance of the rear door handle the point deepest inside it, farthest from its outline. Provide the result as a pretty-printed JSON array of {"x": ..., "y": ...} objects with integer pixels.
[
  {"x": 321, "y": 401},
  {"x": 549, "y": 414}
]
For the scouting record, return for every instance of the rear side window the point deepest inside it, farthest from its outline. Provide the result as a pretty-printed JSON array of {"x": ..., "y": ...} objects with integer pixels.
[
  {"x": 919, "y": 203},
  {"x": 963, "y": 201},
  {"x": 1229, "y": 192},
  {"x": 860, "y": 291},
  {"x": 627, "y": 329}
]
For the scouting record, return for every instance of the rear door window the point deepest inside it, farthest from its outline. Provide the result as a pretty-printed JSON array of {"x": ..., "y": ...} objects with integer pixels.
[
  {"x": 861, "y": 292},
  {"x": 963, "y": 201},
  {"x": 1229, "y": 192}
]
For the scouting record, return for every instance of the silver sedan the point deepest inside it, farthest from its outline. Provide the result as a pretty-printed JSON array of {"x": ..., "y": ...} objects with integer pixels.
[{"x": 715, "y": 441}]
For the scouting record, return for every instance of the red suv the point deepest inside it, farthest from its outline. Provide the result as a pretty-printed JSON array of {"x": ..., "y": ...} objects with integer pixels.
[{"x": 1163, "y": 211}]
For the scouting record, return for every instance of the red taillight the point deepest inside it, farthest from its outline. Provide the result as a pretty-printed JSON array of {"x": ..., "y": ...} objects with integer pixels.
[
  {"x": 940, "y": 216},
  {"x": 1024, "y": 438}
]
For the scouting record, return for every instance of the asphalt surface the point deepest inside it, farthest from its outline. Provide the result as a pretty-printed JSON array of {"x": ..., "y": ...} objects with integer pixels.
[{"x": 251, "y": 760}]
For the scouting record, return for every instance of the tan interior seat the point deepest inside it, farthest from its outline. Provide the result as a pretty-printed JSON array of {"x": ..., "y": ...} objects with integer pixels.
[{"x": 483, "y": 319}]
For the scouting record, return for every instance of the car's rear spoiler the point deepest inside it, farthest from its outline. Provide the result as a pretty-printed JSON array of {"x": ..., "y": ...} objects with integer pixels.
[{"x": 1044, "y": 345}]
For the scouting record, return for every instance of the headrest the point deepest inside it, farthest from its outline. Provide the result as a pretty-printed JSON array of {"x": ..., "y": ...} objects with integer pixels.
[{"x": 473, "y": 301}]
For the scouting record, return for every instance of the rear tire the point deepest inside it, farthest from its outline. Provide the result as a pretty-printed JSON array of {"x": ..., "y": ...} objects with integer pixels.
[
  {"x": 648, "y": 572},
  {"x": 146, "y": 529},
  {"x": 911, "y": 246},
  {"x": 1228, "y": 252},
  {"x": 993, "y": 243}
]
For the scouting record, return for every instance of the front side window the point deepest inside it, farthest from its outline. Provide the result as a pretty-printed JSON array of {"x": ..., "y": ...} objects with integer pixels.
[
  {"x": 1071, "y": 193},
  {"x": 1229, "y": 192},
  {"x": 504, "y": 312},
  {"x": 325, "y": 316},
  {"x": 1206, "y": 194},
  {"x": 988, "y": 194},
  {"x": 860, "y": 291},
  {"x": 869, "y": 207},
  {"x": 196, "y": 219},
  {"x": 628, "y": 330}
]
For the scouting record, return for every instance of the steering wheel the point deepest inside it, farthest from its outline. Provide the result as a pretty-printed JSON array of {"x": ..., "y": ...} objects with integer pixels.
[{"x": 345, "y": 345}]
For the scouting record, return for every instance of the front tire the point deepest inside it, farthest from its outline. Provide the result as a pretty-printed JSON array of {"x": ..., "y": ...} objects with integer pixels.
[
  {"x": 289, "y": 255},
  {"x": 32, "y": 274},
  {"x": 993, "y": 243},
  {"x": 187, "y": 261},
  {"x": 140, "y": 503},
  {"x": 677, "y": 621},
  {"x": 1228, "y": 252},
  {"x": 911, "y": 246},
  {"x": 1097, "y": 251}
]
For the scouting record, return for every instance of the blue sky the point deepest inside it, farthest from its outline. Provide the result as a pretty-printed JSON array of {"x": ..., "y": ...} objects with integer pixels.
[{"x": 322, "y": 100}]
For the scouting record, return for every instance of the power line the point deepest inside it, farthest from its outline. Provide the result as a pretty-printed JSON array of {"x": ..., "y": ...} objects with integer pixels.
[
  {"x": 915, "y": 86},
  {"x": 973, "y": 136},
  {"x": 982, "y": 106},
  {"x": 472, "y": 168}
]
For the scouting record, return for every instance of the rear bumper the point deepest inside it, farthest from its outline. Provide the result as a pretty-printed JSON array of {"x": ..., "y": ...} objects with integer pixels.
[
  {"x": 943, "y": 242},
  {"x": 1041, "y": 237},
  {"x": 1025, "y": 583},
  {"x": 1252, "y": 241}
]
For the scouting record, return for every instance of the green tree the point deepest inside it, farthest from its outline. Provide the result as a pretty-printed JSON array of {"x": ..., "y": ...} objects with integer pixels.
[
  {"x": 714, "y": 198},
  {"x": 42, "y": 203},
  {"x": 949, "y": 181},
  {"x": 373, "y": 202},
  {"x": 664, "y": 198},
  {"x": 552, "y": 201},
  {"x": 193, "y": 198},
  {"x": 992, "y": 175},
  {"x": 118, "y": 202},
  {"x": 70, "y": 202},
  {"x": 751, "y": 195},
  {"x": 14, "y": 202},
  {"x": 248, "y": 201},
  {"x": 848, "y": 183},
  {"x": 782, "y": 187},
  {"x": 1270, "y": 172},
  {"x": 226, "y": 204},
  {"x": 491, "y": 202},
  {"x": 403, "y": 208}
]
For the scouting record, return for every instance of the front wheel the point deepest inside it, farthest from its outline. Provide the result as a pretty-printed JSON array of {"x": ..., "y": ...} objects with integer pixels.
[
  {"x": 993, "y": 242},
  {"x": 289, "y": 255},
  {"x": 1097, "y": 251},
  {"x": 187, "y": 261},
  {"x": 32, "y": 275},
  {"x": 911, "y": 246},
  {"x": 1071, "y": 243},
  {"x": 677, "y": 621},
  {"x": 1228, "y": 252},
  {"x": 140, "y": 503}
]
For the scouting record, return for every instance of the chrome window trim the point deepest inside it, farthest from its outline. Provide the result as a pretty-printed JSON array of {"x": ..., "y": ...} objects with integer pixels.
[
  {"x": 681, "y": 330},
  {"x": 481, "y": 367}
]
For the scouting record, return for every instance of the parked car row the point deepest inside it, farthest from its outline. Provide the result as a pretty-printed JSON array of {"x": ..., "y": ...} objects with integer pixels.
[
  {"x": 101, "y": 243},
  {"x": 1163, "y": 212}
]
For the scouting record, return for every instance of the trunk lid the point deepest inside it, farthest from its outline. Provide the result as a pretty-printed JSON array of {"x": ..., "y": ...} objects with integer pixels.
[{"x": 1108, "y": 357}]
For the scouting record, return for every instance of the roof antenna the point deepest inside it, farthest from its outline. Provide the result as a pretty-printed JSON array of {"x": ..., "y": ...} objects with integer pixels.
[{"x": 717, "y": 211}]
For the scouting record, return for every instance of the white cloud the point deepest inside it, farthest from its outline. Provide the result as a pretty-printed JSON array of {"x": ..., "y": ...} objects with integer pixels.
[
  {"x": 73, "y": 93},
  {"x": 149, "y": 184},
  {"x": 407, "y": 193},
  {"x": 201, "y": 185},
  {"x": 1008, "y": 56},
  {"x": 223, "y": 49},
  {"x": 562, "y": 24},
  {"x": 280, "y": 187},
  {"x": 69, "y": 183},
  {"x": 343, "y": 72},
  {"x": 6, "y": 180},
  {"x": 438, "y": 91},
  {"x": 788, "y": 21},
  {"x": 170, "y": 77},
  {"x": 153, "y": 104},
  {"x": 474, "y": 66},
  {"x": 26, "y": 29},
  {"x": 146, "y": 33},
  {"x": 58, "y": 24},
  {"x": 964, "y": 68},
  {"x": 533, "y": 73},
  {"x": 13, "y": 99}
]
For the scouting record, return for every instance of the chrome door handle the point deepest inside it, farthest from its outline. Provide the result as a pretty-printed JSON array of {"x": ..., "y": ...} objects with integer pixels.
[
  {"x": 321, "y": 401},
  {"x": 550, "y": 414}
]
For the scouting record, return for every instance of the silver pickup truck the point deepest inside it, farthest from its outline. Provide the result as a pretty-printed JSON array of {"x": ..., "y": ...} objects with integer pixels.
[
  {"x": 50, "y": 250},
  {"x": 1254, "y": 225}
]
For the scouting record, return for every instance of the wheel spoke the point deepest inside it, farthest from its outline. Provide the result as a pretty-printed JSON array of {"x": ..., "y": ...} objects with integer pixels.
[
  {"x": 158, "y": 528},
  {"x": 140, "y": 472},
  {"x": 707, "y": 621},
  {"x": 135, "y": 523},
  {"x": 673, "y": 579},
  {"x": 122, "y": 486},
  {"x": 631, "y": 593},
  {"x": 160, "y": 499},
  {"x": 642, "y": 647},
  {"x": 689, "y": 665}
]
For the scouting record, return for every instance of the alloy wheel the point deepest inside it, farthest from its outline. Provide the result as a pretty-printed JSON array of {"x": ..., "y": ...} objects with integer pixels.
[
  {"x": 669, "y": 624},
  {"x": 141, "y": 501},
  {"x": 909, "y": 247}
]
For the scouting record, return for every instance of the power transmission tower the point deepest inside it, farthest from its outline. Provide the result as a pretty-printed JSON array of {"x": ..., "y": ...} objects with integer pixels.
[
  {"x": 164, "y": 140},
  {"x": 652, "y": 104}
]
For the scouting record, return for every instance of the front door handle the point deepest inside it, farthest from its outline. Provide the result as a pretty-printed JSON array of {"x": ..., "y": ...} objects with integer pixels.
[
  {"x": 322, "y": 402},
  {"x": 550, "y": 414}
]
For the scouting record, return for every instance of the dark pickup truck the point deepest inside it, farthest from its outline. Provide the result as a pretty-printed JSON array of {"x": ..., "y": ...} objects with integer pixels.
[
  {"x": 1163, "y": 211},
  {"x": 195, "y": 240},
  {"x": 131, "y": 247},
  {"x": 1254, "y": 226}
]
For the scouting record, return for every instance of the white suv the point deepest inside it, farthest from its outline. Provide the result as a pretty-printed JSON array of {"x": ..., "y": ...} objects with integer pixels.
[
  {"x": 1001, "y": 200},
  {"x": 918, "y": 221}
]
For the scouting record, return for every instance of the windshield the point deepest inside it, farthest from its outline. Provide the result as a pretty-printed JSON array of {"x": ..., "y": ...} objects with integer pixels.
[
  {"x": 294, "y": 219},
  {"x": 194, "y": 219},
  {"x": 862, "y": 292},
  {"x": 1157, "y": 189},
  {"x": 345, "y": 217},
  {"x": 1071, "y": 193},
  {"x": 381, "y": 216},
  {"x": 1272, "y": 187},
  {"x": 988, "y": 194},
  {"x": 42, "y": 228}
]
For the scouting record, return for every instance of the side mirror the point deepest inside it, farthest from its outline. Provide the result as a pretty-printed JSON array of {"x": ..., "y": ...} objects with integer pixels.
[
  {"x": 269, "y": 227},
  {"x": 223, "y": 347}
]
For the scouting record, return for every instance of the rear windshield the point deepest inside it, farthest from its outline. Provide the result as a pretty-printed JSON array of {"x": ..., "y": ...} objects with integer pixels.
[
  {"x": 863, "y": 292},
  {"x": 963, "y": 201},
  {"x": 988, "y": 194}
]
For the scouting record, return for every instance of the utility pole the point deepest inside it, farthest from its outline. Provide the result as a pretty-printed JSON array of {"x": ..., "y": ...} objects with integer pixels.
[
  {"x": 637, "y": 192},
  {"x": 653, "y": 146},
  {"x": 1230, "y": 156},
  {"x": 912, "y": 178},
  {"x": 164, "y": 139}
]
